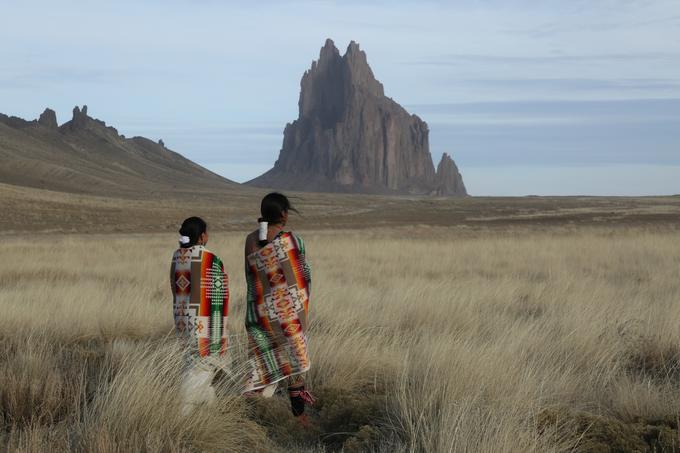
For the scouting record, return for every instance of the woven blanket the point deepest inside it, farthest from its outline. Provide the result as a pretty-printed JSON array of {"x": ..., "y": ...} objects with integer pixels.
[
  {"x": 276, "y": 319},
  {"x": 201, "y": 300}
]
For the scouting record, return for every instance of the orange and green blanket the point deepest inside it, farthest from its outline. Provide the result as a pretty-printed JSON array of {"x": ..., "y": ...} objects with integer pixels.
[
  {"x": 277, "y": 304},
  {"x": 200, "y": 290}
]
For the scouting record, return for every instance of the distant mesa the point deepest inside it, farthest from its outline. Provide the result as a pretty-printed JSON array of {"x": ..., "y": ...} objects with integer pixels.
[
  {"x": 350, "y": 137},
  {"x": 84, "y": 155}
]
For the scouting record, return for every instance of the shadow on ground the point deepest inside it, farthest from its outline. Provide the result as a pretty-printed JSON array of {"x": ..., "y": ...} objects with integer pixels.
[{"x": 349, "y": 420}]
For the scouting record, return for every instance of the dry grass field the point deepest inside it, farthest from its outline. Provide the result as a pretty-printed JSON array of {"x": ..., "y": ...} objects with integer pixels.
[
  {"x": 26, "y": 209},
  {"x": 424, "y": 338}
]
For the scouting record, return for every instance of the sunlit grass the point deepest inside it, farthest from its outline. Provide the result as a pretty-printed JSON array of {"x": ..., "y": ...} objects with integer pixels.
[{"x": 422, "y": 339}]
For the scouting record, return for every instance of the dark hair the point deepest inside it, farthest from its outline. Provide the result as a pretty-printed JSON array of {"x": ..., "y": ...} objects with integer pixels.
[
  {"x": 193, "y": 228},
  {"x": 273, "y": 206}
]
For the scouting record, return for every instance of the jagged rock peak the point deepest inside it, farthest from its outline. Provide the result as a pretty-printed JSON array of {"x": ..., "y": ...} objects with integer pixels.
[
  {"x": 449, "y": 179},
  {"x": 326, "y": 88},
  {"x": 349, "y": 136},
  {"x": 79, "y": 117},
  {"x": 328, "y": 51},
  {"x": 78, "y": 113},
  {"x": 360, "y": 72},
  {"x": 48, "y": 119},
  {"x": 354, "y": 53},
  {"x": 319, "y": 94},
  {"x": 81, "y": 121}
]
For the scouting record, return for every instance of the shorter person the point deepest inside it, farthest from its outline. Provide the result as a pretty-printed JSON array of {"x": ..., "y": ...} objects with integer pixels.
[{"x": 200, "y": 289}]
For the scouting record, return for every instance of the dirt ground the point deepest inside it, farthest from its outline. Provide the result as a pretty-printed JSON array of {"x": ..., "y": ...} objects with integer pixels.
[{"x": 34, "y": 210}]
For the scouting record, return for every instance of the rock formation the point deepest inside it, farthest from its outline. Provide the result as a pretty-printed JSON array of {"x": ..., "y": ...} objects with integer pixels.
[
  {"x": 48, "y": 119},
  {"x": 350, "y": 137},
  {"x": 449, "y": 180},
  {"x": 15, "y": 121},
  {"x": 84, "y": 155},
  {"x": 79, "y": 120}
]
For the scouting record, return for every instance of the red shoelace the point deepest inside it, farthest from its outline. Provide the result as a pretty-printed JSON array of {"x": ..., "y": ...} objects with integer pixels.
[{"x": 304, "y": 394}]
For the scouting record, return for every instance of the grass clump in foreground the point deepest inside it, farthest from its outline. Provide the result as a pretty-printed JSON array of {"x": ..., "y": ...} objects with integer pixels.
[
  {"x": 598, "y": 433},
  {"x": 421, "y": 340}
]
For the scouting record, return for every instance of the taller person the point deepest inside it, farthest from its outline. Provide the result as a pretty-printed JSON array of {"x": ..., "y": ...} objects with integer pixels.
[{"x": 279, "y": 285}]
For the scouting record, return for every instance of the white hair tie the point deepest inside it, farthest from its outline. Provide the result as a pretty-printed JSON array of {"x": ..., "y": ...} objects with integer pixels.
[
  {"x": 263, "y": 231},
  {"x": 184, "y": 240}
]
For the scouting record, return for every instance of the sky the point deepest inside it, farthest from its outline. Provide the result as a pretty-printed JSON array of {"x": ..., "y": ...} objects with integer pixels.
[{"x": 529, "y": 97}]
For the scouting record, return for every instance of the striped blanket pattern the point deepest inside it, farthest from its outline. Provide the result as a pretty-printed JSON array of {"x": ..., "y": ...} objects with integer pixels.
[
  {"x": 276, "y": 319},
  {"x": 201, "y": 300}
]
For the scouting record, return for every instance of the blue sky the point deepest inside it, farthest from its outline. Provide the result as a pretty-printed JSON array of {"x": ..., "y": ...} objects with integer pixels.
[{"x": 551, "y": 97}]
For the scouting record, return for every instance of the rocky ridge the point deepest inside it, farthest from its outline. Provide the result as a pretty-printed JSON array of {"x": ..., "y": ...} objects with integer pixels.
[{"x": 84, "y": 155}]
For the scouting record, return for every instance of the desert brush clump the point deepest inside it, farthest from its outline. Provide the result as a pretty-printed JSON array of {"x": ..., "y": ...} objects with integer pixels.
[
  {"x": 600, "y": 434},
  {"x": 421, "y": 339}
]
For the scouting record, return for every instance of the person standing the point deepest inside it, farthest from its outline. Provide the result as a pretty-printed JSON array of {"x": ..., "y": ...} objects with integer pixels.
[
  {"x": 200, "y": 290},
  {"x": 279, "y": 285}
]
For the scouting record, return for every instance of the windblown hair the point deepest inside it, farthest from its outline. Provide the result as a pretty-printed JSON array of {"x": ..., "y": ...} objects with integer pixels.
[{"x": 273, "y": 207}]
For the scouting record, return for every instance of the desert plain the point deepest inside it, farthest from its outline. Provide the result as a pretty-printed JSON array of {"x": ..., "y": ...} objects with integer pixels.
[{"x": 437, "y": 324}]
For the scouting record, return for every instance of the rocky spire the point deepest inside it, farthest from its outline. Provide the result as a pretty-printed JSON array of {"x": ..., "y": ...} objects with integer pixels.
[
  {"x": 348, "y": 136},
  {"x": 48, "y": 119},
  {"x": 79, "y": 120},
  {"x": 327, "y": 54},
  {"x": 360, "y": 72},
  {"x": 318, "y": 98},
  {"x": 449, "y": 179}
]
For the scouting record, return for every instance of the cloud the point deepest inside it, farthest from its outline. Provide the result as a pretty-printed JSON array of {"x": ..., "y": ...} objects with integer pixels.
[
  {"x": 634, "y": 131},
  {"x": 637, "y": 108},
  {"x": 571, "y": 85},
  {"x": 243, "y": 146},
  {"x": 41, "y": 77},
  {"x": 603, "y": 180},
  {"x": 596, "y": 26},
  {"x": 466, "y": 59}
]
